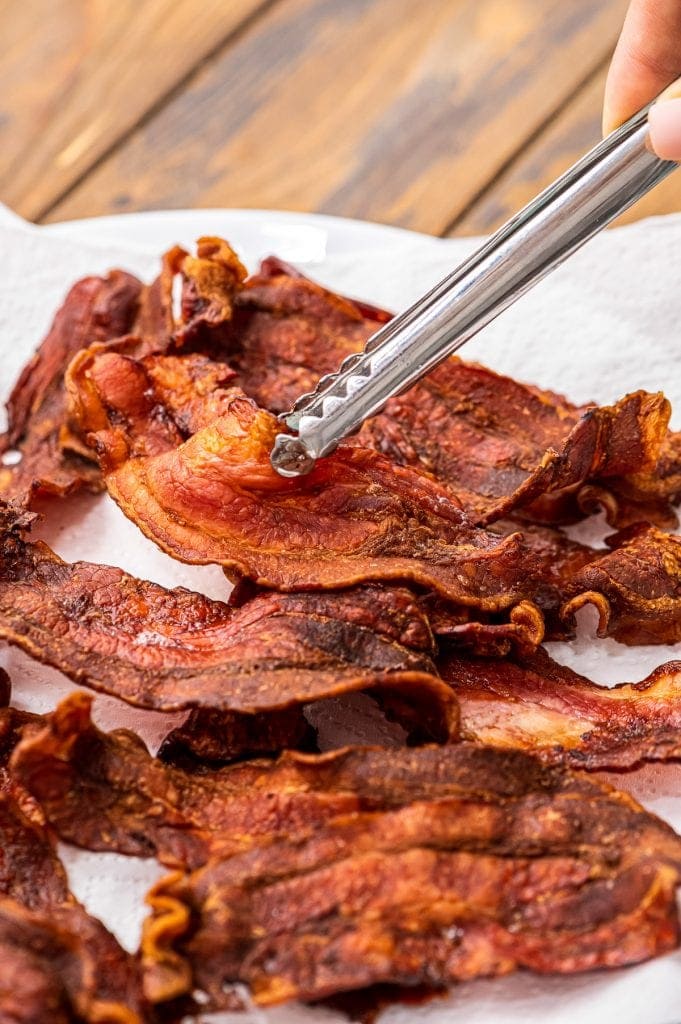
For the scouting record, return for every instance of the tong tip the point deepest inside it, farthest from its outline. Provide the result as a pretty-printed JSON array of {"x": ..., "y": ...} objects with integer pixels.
[{"x": 291, "y": 456}]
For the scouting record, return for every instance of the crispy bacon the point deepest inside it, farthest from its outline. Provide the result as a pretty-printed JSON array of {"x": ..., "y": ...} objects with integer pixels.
[
  {"x": 14, "y": 724},
  {"x": 499, "y": 444},
  {"x": 154, "y": 323},
  {"x": 560, "y": 560},
  {"x": 210, "y": 282},
  {"x": 533, "y": 703},
  {"x": 50, "y": 457},
  {"x": 505, "y": 446},
  {"x": 30, "y": 871},
  {"x": 473, "y": 859},
  {"x": 287, "y": 331},
  {"x": 96, "y": 787},
  {"x": 58, "y": 963},
  {"x": 175, "y": 649},
  {"x": 164, "y": 399},
  {"x": 62, "y": 966},
  {"x": 105, "y": 792},
  {"x": 95, "y": 309},
  {"x": 220, "y": 737},
  {"x": 316, "y": 874},
  {"x": 462, "y": 880},
  {"x": 356, "y": 517},
  {"x": 273, "y": 267},
  {"x": 522, "y": 629},
  {"x": 647, "y": 496},
  {"x": 635, "y": 587}
]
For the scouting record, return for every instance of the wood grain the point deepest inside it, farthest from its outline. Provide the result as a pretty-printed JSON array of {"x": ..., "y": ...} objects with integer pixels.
[
  {"x": 381, "y": 109},
  {"x": 574, "y": 131},
  {"x": 76, "y": 75}
]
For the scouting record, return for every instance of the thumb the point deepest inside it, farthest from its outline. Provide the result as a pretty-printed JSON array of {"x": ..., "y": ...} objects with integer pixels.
[{"x": 664, "y": 121}]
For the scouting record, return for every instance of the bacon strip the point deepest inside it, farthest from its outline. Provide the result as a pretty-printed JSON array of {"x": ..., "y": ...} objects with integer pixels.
[
  {"x": 50, "y": 457},
  {"x": 356, "y": 517},
  {"x": 58, "y": 963},
  {"x": 635, "y": 588},
  {"x": 647, "y": 496},
  {"x": 409, "y": 917},
  {"x": 499, "y": 444},
  {"x": 15, "y": 724},
  {"x": 175, "y": 649},
  {"x": 219, "y": 737},
  {"x": 565, "y": 876},
  {"x": 535, "y": 704},
  {"x": 471, "y": 859},
  {"x": 504, "y": 446},
  {"x": 62, "y": 966},
  {"x": 287, "y": 331},
  {"x": 95, "y": 788},
  {"x": 95, "y": 309},
  {"x": 210, "y": 283}
]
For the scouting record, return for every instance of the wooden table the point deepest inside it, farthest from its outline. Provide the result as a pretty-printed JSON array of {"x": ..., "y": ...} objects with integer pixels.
[{"x": 438, "y": 115}]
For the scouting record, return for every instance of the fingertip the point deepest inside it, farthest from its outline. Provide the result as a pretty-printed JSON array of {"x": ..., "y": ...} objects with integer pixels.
[{"x": 664, "y": 121}]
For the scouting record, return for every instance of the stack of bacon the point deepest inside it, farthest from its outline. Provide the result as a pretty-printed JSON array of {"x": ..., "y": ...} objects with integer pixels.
[{"x": 400, "y": 592}]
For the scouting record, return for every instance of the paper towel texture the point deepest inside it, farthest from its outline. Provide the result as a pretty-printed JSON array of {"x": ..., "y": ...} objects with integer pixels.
[{"x": 607, "y": 322}]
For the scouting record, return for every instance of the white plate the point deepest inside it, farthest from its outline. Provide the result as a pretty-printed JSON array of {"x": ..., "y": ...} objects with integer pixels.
[
  {"x": 306, "y": 239},
  {"x": 601, "y": 307}
]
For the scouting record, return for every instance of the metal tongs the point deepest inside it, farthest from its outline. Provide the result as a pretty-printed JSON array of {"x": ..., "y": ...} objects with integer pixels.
[{"x": 604, "y": 183}]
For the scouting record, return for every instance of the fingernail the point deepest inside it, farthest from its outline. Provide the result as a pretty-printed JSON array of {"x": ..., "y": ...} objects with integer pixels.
[{"x": 664, "y": 119}]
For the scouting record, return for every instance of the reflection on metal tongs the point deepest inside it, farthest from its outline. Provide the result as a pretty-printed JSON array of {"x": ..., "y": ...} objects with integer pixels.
[{"x": 606, "y": 181}]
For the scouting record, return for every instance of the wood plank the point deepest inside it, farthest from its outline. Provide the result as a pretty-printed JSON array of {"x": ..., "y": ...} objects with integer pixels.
[
  {"x": 76, "y": 76},
  {"x": 563, "y": 142},
  {"x": 380, "y": 109}
]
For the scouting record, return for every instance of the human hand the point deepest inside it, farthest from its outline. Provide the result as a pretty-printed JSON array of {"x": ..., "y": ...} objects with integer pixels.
[{"x": 646, "y": 60}]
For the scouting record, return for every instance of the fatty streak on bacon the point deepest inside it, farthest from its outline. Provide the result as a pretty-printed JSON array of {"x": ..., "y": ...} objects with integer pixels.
[
  {"x": 635, "y": 588},
  {"x": 499, "y": 444},
  {"x": 492, "y": 864},
  {"x": 535, "y": 704},
  {"x": 175, "y": 649},
  {"x": 356, "y": 517},
  {"x": 95, "y": 310},
  {"x": 58, "y": 963}
]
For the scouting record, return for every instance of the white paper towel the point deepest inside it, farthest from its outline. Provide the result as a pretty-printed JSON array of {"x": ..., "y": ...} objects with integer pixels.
[{"x": 606, "y": 323}]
